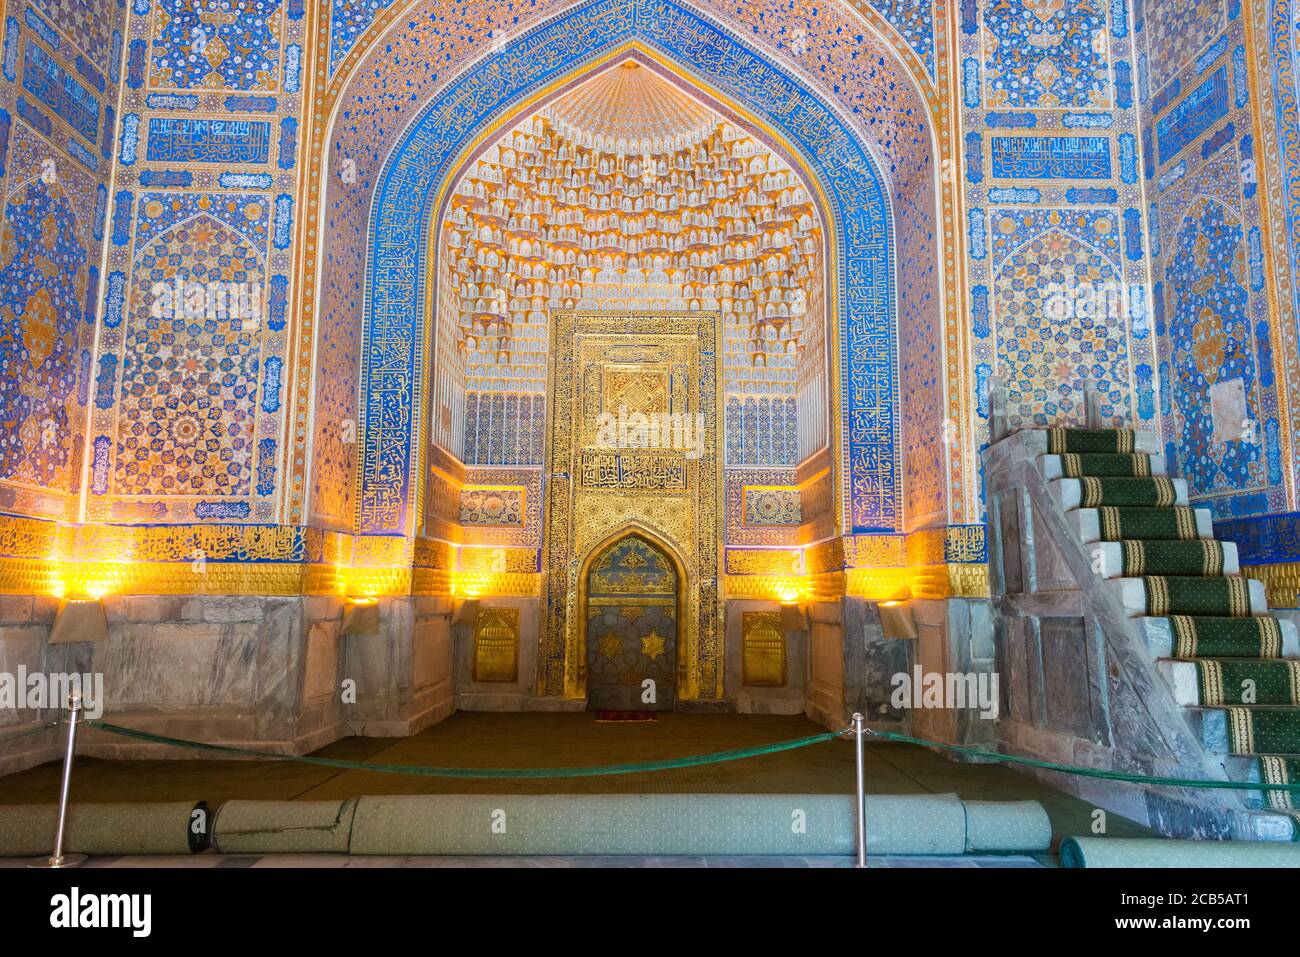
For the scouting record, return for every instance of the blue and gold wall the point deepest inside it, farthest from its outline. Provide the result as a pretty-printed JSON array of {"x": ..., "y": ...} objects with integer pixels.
[
  {"x": 1024, "y": 146},
  {"x": 58, "y": 111}
]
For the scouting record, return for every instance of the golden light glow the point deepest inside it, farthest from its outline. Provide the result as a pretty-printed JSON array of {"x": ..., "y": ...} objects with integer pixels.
[
  {"x": 87, "y": 581},
  {"x": 375, "y": 582}
]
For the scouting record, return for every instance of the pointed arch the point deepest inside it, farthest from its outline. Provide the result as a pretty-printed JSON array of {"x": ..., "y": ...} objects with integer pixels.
[
  {"x": 394, "y": 375},
  {"x": 660, "y": 542}
]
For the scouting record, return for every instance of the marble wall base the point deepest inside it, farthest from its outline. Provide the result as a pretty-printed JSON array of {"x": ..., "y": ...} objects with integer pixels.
[
  {"x": 272, "y": 674},
  {"x": 25, "y": 624},
  {"x": 955, "y": 637},
  {"x": 824, "y": 701},
  {"x": 403, "y": 672}
]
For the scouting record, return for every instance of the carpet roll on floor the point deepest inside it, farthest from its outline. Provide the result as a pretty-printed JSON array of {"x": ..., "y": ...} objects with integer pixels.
[
  {"x": 27, "y": 830},
  {"x": 283, "y": 827},
  {"x": 689, "y": 824},
  {"x": 637, "y": 824},
  {"x": 1157, "y": 852},
  {"x": 1004, "y": 826}
]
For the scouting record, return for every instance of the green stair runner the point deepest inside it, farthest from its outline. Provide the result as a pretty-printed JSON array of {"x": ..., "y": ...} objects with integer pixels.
[
  {"x": 1153, "y": 492},
  {"x": 1243, "y": 681},
  {"x": 1279, "y": 770},
  {"x": 1200, "y": 595},
  {"x": 1092, "y": 441},
  {"x": 1200, "y": 557},
  {"x": 1258, "y": 637},
  {"x": 1238, "y": 657},
  {"x": 1177, "y": 524},
  {"x": 1105, "y": 465}
]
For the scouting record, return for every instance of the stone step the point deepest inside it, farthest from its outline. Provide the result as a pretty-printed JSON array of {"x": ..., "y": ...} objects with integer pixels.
[
  {"x": 1210, "y": 725},
  {"x": 1265, "y": 825},
  {"x": 1247, "y": 771},
  {"x": 1086, "y": 523},
  {"x": 1053, "y": 469},
  {"x": 1108, "y": 559},
  {"x": 1184, "y": 678},
  {"x": 1036, "y": 442},
  {"x": 1158, "y": 634},
  {"x": 1272, "y": 678},
  {"x": 1069, "y": 492},
  {"x": 1132, "y": 595}
]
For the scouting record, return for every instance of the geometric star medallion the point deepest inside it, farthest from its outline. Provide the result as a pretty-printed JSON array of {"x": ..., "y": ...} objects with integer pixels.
[
  {"x": 652, "y": 645},
  {"x": 610, "y": 646}
]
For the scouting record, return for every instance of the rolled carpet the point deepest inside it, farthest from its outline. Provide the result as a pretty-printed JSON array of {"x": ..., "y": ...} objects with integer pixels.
[
  {"x": 1198, "y": 557},
  {"x": 688, "y": 824},
  {"x": 994, "y": 826},
  {"x": 283, "y": 827},
  {"x": 1123, "y": 492},
  {"x": 1276, "y": 769},
  {"x": 1157, "y": 852},
  {"x": 27, "y": 830}
]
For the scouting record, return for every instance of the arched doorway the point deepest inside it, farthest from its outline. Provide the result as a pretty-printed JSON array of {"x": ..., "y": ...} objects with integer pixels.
[{"x": 631, "y": 597}]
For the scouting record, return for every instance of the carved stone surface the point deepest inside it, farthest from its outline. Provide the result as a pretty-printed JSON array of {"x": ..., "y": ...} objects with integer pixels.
[{"x": 261, "y": 672}]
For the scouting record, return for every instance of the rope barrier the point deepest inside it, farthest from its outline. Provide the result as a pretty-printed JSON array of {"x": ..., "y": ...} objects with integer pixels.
[
  {"x": 434, "y": 772},
  {"x": 1087, "y": 772},
  {"x": 30, "y": 732},
  {"x": 687, "y": 762}
]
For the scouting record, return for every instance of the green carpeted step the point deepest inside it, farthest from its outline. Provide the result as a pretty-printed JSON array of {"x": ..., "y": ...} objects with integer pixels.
[
  {"x": 1264, "y": 730},
  {"x": 1243, "y": 681},
  {"x": 1088, "y": 492},
  {"x": 1223, "y": 595},
  {"x": 1148, "y": 524},
  {"x": 1105, "y": 465},
  {"x": 1279, "y": 770},
  {"x": 1091, "y": 441},
  {"x": 1205, "y": 637},
  {"x": 1200, "y": 557}
]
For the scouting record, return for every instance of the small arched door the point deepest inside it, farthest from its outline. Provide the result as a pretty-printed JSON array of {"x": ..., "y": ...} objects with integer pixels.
[{"x": 631, "y": 621}]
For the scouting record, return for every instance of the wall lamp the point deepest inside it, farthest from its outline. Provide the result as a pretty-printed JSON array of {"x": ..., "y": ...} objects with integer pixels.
[
  {"x": 360, "y": 616},
  {"x": 794, "y": 617},
  {"x": 79, "y": 619},
  {"x": 465, "y": 612},
  {"x": 897, "y": 620}
]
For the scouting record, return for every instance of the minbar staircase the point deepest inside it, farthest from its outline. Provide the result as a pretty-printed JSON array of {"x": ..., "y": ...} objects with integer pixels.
[{"x": 1129, "y": 640}]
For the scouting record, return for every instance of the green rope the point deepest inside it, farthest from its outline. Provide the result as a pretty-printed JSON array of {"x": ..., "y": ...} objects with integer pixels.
[
  {"x": 29, "y": 733},
  {"x": 688, "y": 762},
  {"x": 1087, "y": 772},
  {"x": 420, "y": 771}
]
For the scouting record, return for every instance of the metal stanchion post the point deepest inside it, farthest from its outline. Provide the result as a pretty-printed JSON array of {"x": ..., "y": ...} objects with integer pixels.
[
  {"x": 858, "y": 734},
  {"x": 57, "y": 857}
]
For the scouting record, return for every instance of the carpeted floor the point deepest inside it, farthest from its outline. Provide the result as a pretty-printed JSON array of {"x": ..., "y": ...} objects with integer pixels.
[{"x": 480, "y": 739}]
